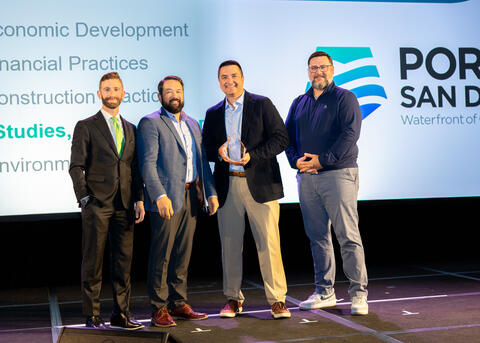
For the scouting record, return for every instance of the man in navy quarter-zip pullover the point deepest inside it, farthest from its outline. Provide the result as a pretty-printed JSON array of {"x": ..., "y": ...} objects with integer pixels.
[{"x": 323, "y": 127}]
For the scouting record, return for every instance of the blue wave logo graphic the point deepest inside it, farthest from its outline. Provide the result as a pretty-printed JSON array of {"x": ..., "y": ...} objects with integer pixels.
[{"x": 354, "y": 71}]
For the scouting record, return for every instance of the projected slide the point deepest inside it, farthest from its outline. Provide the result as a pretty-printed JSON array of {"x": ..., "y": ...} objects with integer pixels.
[{"x": 414, "y": 66}]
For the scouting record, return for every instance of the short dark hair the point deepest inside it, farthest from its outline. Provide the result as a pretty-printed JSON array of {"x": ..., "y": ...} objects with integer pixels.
[
  {"x": 229, "y": 63},
  {"x": 110, "y": 76},
  {"x": 320, "y": 54},
  {"x": 169, "y": 77}
]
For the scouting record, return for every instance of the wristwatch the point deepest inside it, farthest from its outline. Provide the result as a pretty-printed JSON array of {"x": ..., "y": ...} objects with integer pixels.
[{"x": 84, "y": 201}]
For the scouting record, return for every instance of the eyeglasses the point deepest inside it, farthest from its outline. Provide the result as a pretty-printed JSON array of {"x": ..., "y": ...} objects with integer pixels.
[{"x": 314, "y": 69}]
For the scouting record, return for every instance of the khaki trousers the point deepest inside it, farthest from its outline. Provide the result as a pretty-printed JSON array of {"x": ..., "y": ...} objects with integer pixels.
[{"x": 263, "y": 219}]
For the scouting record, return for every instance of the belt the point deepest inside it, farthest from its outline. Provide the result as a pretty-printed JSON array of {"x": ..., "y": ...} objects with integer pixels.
[
  {"x": 239, "y": 174},
  {"x": 188, "y": 185}
]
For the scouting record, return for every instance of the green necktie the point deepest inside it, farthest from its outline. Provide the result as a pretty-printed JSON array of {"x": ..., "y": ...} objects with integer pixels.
[{"x": 118, "y": 136}]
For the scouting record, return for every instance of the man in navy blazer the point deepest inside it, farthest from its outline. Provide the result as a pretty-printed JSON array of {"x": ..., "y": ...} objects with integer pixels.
[
  {"x": 242, "y": 134},
  {"x": 108, "y": 187},
  {"x": 176, "y": 174}
]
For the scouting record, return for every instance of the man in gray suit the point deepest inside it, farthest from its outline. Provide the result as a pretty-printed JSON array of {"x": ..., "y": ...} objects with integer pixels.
[{"x": 176, "y": 173}]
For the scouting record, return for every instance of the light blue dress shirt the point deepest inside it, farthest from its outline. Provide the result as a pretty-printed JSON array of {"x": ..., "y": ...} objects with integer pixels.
[
  {"x": 233, "y": 126},
  {"x": 188, "y": 144}
]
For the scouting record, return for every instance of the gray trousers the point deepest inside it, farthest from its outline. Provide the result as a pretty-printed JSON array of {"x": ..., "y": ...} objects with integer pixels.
[
  {"x": 170, "y": 250},
  {"x": 330, "y": 197}
]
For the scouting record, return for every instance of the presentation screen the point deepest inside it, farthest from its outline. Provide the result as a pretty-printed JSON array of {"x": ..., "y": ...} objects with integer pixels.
[{"x": 413, "y": 65}]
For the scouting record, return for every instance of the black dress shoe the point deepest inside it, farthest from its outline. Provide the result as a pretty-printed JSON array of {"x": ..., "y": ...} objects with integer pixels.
[
  {"x": 95, "y": 322},
  {"x": 122, "y": 321}
]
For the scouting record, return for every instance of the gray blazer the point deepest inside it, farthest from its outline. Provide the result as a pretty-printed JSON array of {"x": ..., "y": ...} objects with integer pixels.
[{"x": 163, "y": 161}]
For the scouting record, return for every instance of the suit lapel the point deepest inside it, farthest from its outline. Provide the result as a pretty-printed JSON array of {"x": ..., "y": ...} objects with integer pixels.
[
  {"x": 164, "y": 116},
  {"x": 247, "y": 111},
  {"x": 195, "y": 131},
  {"x": 221, "y": 121},
  {"x": 102, "y": 126},
  {"x": 128, "y": 136}
]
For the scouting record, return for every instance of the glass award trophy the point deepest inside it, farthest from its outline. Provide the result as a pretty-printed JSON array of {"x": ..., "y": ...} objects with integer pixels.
[{"x": 235, "y": 150}]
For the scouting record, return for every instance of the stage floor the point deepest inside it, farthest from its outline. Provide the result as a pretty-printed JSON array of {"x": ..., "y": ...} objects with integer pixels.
[{"x": 417, "y": 303}]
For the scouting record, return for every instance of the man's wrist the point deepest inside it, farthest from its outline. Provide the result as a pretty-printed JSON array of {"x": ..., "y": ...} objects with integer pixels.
[{"x": 160, "y": 196}]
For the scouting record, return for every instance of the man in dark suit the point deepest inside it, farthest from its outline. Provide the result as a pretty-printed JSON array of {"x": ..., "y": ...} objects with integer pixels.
[
  {"x": 243, "y": 134},
  {"x": 176, "y": 173},
  {"x": 109, "y": 189}
]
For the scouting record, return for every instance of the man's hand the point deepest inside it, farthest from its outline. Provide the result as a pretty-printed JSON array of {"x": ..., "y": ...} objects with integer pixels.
[
  {"x": 139, "y": 212},
  {"x": 212, "y": 205},
  {"x": 223, "y": 151},
  {"x": 243, "y": 161},
  {"x": 311, "y": 166},
  {"x": 165, "y": 209}
]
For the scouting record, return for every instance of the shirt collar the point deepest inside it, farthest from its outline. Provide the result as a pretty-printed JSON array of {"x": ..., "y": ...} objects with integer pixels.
[
  {"x": 183, "y": 115},
  {"x": 325, "y": 91},
  {"x": 107, "y": 115},
  {"x": 238, "y": 102}
]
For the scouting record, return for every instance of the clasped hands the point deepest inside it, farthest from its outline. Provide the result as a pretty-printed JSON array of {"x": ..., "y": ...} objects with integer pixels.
[
  {"x": 222, "y": 152},
  {"x": 309, "y": 163}
]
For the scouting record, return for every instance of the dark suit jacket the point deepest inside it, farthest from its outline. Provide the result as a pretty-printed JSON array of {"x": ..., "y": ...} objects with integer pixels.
[
  {"x": 264, "y": 136},
  {"x": 95, "y": 168}
]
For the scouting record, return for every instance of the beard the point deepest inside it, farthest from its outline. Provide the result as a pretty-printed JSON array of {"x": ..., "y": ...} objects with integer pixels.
[
  {"x": 112, "y": 102},
  {"x": 170, "y": 107},
  {"x": 320, "y": 85}
]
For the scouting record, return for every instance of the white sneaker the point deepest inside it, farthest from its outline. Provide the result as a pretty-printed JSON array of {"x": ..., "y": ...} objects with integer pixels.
[
  {"x": 316, "y": 301},
  {"x": 359, "y": 305}
]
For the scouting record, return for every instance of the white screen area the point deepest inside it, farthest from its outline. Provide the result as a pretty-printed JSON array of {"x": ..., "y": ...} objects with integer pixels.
[{"x": 414, "y": 66}]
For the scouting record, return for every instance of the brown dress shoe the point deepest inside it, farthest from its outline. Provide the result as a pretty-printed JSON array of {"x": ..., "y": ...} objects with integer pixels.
[
  {"x": 161, "y": 318},
  {"x": 186, "y": 312}
]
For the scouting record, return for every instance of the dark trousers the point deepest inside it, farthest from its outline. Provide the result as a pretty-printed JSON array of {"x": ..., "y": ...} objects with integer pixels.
[
  {"x": 99, "y": 222},
  {"x": 170, "y": 251}
]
